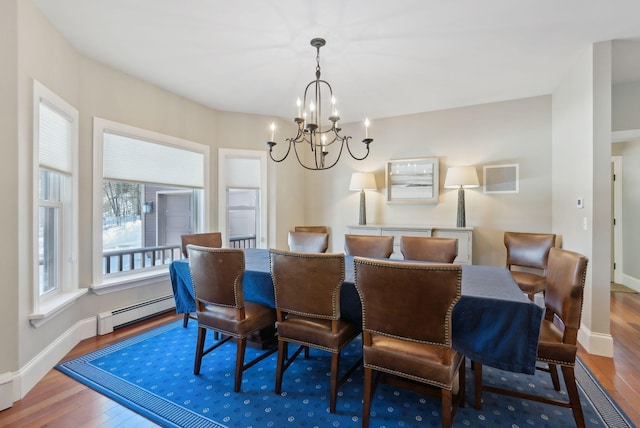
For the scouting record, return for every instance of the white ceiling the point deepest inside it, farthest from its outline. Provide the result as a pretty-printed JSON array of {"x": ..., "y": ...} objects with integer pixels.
[{"x": 383, "y": 58}]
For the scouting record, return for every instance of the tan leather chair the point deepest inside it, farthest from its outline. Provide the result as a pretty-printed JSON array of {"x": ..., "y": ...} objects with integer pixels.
[
  {"x": 207, "y": 239},
  {"x": 307, "y": 291},
  {"x": 528, "y": 250},
  {"x": 566, "y": 272},
  {"x": 316, "y": 229},
  {"x": 309, "y": 242},
  {"x": 217, "y": 275},
  {"x": 368, "y": 246},
  {"x": 428, "y": 249},
  {"x": 410, "y": 338}
]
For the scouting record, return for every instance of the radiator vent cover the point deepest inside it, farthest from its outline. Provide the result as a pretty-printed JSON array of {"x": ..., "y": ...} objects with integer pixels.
[{"x": 111, "y": 320}]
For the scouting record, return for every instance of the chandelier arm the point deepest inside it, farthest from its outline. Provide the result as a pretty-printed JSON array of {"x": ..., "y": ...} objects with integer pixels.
[
  {"x": 367, "y": 141},
  {"x": 271, "y": 144}
]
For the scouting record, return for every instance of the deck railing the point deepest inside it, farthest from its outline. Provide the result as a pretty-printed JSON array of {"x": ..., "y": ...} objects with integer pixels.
[
  {"x": 242, "y": 241},
  {"x": 140, "y": 258}
]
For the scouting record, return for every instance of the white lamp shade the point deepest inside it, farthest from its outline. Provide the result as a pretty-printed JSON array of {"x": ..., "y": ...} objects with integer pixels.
[
  {"x": 461, "y": 176},
  {"x": 362, "y": 181}
]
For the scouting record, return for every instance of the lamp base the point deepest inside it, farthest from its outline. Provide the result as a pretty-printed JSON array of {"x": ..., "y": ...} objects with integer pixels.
[
  {"x": 461, "y": 221},
  {"x": 363, "y": 209}
]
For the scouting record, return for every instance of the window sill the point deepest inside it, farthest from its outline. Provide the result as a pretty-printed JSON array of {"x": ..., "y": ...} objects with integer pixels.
[
  {"x": 54, "y": 306},
  {"x": 123, "y": 282}
]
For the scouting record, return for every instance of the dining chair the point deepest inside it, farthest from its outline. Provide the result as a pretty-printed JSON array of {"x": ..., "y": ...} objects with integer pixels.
[
  {"x": 406, "y": 332},
  {"x": 310, "y": 242},
  {"x": 307, "y": 296},
  {"x": 429, "y": 249},
  {"x": 368, "y": 245},
  {"x": 217, "y": 275},
  {"x": 566, "y": 273},
  {"x": 529, "y": 251},
  {"x": 207, "y": 239},
  {"x": 316, "y": 229}
]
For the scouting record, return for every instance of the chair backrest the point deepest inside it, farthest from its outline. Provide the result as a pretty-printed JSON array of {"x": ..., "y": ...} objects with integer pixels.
[
  {"x": 528, "y": 249},
  {"x": 307, "y": 284},
  {"x": 410, "y": 301},
  {"x": 566, "y": 273},
  {"x": 217, "y": 275},
  {"x": 310, "y": 242},
  {"x": 207, "y": 239},
  {"x": 316, "y": 229},
  {"x": 439, "y": 250},
  {"x": 368, "y": 246}
]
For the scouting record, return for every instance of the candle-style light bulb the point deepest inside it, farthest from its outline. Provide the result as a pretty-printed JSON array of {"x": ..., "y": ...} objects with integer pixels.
[
  {"x": 312, "y": 107},
  {"x": 366, "y": 127},
  {"x": 333, "y": 106},
  {"x": 299, "y": 105},
  {"x": 273, "y": 131}
]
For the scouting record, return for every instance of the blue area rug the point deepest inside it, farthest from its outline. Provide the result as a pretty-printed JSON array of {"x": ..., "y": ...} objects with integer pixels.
[{"x": 152, "y": 374}]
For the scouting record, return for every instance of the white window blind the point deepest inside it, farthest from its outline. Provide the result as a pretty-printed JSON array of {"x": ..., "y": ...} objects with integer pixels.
[
  {"x": 54, "y": 139},
  {"x": 132, "y": 159},
  {"x": 242, "y": 173}
]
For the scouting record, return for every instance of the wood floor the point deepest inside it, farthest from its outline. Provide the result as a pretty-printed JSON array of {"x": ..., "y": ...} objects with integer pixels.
[{"x": 59, "y": 401}]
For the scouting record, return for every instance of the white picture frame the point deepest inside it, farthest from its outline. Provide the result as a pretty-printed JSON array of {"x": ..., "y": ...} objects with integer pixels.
[
  {"x": 413, "y": 181},
  {"x": 501, "y": 178}
]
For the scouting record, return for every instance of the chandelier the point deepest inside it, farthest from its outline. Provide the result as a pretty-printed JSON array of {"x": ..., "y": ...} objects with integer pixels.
[{"x": 312, "y": 132}]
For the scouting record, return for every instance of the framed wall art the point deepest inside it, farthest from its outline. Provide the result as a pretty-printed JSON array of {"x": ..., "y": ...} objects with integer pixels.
[
  {"x": 412, "y": 181},
  {"x": 501, "y": 178}
]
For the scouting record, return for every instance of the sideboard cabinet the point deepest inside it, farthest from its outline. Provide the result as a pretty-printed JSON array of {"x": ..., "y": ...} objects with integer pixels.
[{"x": 464, "y": 235}]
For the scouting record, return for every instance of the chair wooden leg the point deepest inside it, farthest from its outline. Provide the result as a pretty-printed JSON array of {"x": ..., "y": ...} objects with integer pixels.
[
  {"x": 282, "y": 356},
  {"x": 367, "y": 395},
  {"x": 335, "y": 370},
  {"x": 202, "y": 335},
  {"x": 462, "y": 382},
  {"x": 553, "y": 371},
  {"x": 185, "y": 320},
  {"x": 477, "y": 368},
  {"x": 445, "y": 405},
  {"x": 574, "y": 398},
  {"x": 242, "y": 346}
]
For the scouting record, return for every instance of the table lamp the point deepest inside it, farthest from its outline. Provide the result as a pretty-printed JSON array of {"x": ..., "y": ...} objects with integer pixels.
[
  {"x": 461, "y": 177},
  {"x": 362, "y": 181}
]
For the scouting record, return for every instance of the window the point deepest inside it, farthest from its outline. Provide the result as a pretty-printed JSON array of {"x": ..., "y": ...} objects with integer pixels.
[
  {"x": 55, "y": 136},
  {"x": 243, "y": 206},
  {"x": 151, "y": 191}
]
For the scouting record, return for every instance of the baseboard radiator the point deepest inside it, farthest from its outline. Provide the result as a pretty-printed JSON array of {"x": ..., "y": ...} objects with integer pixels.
[{"x": 111, "y": 320}]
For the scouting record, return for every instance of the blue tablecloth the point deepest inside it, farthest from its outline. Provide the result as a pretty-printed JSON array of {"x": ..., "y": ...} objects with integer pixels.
[{"x": 493, "y": 322}]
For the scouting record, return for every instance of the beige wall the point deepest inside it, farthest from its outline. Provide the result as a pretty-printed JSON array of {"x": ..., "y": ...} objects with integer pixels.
[
  {"x": 581, "y": 159},
  {"x": 626, "y": 106},
  {"x": 9, "y": 214},
  {"x": 491, "y": 134}
]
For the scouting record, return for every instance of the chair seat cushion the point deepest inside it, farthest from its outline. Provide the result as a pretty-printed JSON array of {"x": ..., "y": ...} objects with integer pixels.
[
  {"x": 317, "y": 332},
  {"x": 550, "y": 346},
  {"x": 424, "y": 363},
  {"x": 226, "y": 319},
  {"x": 529, "y": 282}
]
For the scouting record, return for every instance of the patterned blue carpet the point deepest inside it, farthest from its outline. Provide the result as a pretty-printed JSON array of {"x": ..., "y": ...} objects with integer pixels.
[{"x": 153, "y": 375}]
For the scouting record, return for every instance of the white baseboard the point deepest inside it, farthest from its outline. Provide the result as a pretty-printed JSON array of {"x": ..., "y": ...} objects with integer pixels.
[
  {"x": 596, "y": 343},
  {"x": 631, "y": 282},
  {"x": 28, "y": 376}
]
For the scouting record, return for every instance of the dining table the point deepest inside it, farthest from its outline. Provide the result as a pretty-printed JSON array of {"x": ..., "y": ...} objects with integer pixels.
[{"x": 493, "y": 323}]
